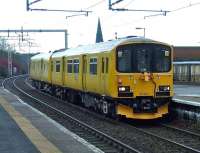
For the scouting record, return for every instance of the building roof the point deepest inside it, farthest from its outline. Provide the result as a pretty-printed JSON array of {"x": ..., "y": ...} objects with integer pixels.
[{"x": 187, "y": 52}]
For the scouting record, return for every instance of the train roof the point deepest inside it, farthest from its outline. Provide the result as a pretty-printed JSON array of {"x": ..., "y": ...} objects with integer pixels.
[
  {"x": 44, "y": 56},
  {"x": 101, "y": 47},
  {"x": 187, "y": 63}
]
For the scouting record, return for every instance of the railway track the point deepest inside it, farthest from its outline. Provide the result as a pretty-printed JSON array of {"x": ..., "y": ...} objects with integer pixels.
[
  {"x": 167, "y": 138},
  {"x": 103, "y": 141},
  {"x": 183, "y": 138},
  {"x": 194, "y": 134},
  {"x": 186, "y": 125},
  {"x": 1, "y": 80}
]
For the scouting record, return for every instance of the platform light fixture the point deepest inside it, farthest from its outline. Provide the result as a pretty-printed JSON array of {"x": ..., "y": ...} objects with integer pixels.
[{"x": 141, "y": 28}]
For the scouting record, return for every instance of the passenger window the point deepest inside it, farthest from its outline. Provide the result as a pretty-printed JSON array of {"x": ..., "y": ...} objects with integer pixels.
[
  {"x": 76, "y": 66},
  {"x": 107, "y": 62},
  {"x": 69, "y": 66},
  {"x": 57, "y": 66},
  {"x": 93, "y": 66}
]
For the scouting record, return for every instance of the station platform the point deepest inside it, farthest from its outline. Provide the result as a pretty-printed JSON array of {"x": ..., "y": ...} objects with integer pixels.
[
  {"x": 23, "y": 129},
  {"x": 187, "y": 94}
]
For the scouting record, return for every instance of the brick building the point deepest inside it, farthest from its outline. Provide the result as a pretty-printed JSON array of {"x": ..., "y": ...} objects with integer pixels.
[{"x": 187, "y": 53}]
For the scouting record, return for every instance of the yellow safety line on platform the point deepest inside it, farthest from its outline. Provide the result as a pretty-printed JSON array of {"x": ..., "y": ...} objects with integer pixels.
[{"x": 41, "y": 143}]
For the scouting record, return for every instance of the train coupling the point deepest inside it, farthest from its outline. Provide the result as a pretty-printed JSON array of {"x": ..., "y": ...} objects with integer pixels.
[{"x": 145, "y": 105}]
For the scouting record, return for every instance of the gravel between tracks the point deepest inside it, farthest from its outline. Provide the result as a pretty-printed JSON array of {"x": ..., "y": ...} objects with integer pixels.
[
  {"x": 123, "y": 132},
  {"x": 186, "y": 125}
]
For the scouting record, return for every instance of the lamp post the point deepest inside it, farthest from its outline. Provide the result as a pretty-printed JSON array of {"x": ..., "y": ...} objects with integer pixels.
[{"x": 140, "y": 28}]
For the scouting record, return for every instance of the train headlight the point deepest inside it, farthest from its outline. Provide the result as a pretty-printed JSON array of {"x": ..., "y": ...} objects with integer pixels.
[
  {"x": 124, "y": 89},
  {"x": 164, "y": 88}
]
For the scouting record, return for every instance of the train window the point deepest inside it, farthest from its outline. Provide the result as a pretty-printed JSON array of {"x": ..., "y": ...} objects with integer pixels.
[
  {"x": 69, "y": 66},
  {"x": 76, "y": 66},
  {"x": 124, "y": 60},
  {"x": 93, "y": 66},
  {"x": 143, "y": 58},
  {"x": 107, "y": 63},
  {"x": 57, "y": 66},
  {"x": 102, "y": 65}
]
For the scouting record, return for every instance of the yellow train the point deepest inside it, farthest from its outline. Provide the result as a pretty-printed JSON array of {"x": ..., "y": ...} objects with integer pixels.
[{"x": 130, "y": 77}]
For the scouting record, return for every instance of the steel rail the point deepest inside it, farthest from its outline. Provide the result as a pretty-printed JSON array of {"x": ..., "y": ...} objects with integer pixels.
[
  {"x": 181, "y": 130},
  {"x": 108, "y": 137},
  {"x": 168, "y": 140},
  {"x": 118, "y": 144},
  {"x": 4, "y": 80}
]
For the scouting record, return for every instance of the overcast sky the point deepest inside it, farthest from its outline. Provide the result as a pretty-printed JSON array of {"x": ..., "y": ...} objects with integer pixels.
[{"x": 179, "y": 27}]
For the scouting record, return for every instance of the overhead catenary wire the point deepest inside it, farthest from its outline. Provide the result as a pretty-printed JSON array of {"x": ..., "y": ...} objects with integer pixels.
[
  {"x": 157, "y": 14},
  {"x": 86, "y": 13},
  {"x": 174, "y": 10},
  {"x": 184, "y": 7},
  {"x": 131, "y": 1},
  {"x": 95, "y": 4}
]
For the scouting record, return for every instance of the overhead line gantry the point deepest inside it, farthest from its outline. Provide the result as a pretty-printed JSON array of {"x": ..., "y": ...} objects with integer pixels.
[{"x": 38, "y": 30}]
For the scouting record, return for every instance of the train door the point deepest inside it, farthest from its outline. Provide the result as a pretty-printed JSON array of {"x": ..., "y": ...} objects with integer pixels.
[
  {"x": 106, "y": 76},
  {"x": 84, "y": 72},
  {"x": 103, "y": 75},
  {"x": 41, "y": 70},
  {"x": 52, "y": 69},
  {"x": 49, "y": 69},
  {"x": 63, "y": 70}
]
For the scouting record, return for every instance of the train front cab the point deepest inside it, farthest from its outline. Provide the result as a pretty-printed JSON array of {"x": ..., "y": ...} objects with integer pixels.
[{"x": 144, "y": 80}]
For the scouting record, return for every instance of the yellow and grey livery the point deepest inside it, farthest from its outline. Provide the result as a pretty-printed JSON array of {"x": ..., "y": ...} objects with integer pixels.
[{"x": 131, "y": 77}]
